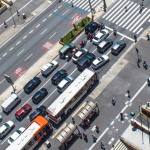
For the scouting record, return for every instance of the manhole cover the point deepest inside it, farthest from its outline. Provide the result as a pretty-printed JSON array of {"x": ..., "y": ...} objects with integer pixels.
[{"x": 109, "y": 132}]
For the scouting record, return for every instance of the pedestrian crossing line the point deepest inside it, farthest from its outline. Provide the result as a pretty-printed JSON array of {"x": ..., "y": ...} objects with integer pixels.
[
  {"x": 141, "y": 23},
  {"x": 139, "y": 31},
  {"x": 122, "y": 9},
  {"x": 111, "y": 9},
  {"x": 116, "y": 10},
  {"x": 128, "y": 17},
  {"x": 95, "y": 5},
  {"x": 83, "y": 4},
  {"x": 79, "y": 3},
  {"x": 86, "y": 5},
  {"x": 91, "y": 5},
  {"x": 135, "y": 19},
  {"x": 126, "y": 13}
]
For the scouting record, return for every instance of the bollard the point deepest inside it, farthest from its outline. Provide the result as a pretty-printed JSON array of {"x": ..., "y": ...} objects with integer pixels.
[{"x": 24, "y": 16}]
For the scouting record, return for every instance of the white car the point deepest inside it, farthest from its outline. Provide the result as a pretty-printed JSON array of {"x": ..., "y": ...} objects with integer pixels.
[
  {"x": 6, "y": 128},
  {"x": 100, "y": 61},
  {"x": 79, "y": 55},
  {"x": 49, "y": 67},
  {"x": 15, "y": 135},
  {"x": 100, "y": 36}
]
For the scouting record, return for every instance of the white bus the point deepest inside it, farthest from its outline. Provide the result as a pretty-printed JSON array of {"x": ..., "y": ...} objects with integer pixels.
[{"x": 68, "y": 99}]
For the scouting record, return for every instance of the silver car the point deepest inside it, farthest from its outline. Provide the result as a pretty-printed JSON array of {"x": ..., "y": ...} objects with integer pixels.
[
  {"x": 100, "y": 61},
  {"x": 100, "y": 36}
]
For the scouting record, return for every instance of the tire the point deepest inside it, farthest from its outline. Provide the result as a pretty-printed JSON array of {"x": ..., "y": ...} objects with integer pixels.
[{"x": 69, "y": 110}]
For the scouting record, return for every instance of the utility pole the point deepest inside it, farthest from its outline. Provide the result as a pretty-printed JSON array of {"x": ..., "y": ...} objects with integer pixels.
[
  {"x": 91, "y": 10},
  {"x": 12, "y": 16},
  {"x": 104, "y": 5}
]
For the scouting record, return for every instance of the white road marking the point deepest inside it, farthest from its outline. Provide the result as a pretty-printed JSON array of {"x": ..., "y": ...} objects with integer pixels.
[
  {"x": 55, "y": 10},
  {"x": 20, "y": 52},
  {"x": 94, "y": 50},
  {"x": 37, "y": 25},
  {"x": 66, "y": 11},
  {"x": 74, "y": 16},
  {"x": 28, "y": 57},
  {"x": 59, "y": 6},
  {"x": 11, "y": 49},
  {"x": 18, "y": 42},
  {"x": 44, "y": 20},
  {"x": 4, "y": 54},
  {"x": 122, "y": 38},
  {"x": 30, "y": 32},
  {"x": 5, "y": 140},
  {"x": 139, "y": 31},
  {"x": 25, "y": 37},
  {"x": 49, "y": 2},
  {"x": 49, "y": 15},
  {"x": 52, "y": 35},
  {"x": 33, "y": 13},
  {"x": 43, "y": 31}
]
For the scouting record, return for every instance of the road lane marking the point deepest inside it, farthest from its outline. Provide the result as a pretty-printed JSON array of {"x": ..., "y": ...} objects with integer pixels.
[
  {"x": 43, "y": 31},
  {"x": 11, "y": 49},
  {"x": 4, "y": 54},
  {"x": 73, "y": 72},
  {"x": 2, "y": 80},
  {"x": 66, "y": 11},
  {"x": 59, "y": 6},
  {"x": 44, "y": 20},
  {"x": 52, "y": 35},
  {"x": 74, "y": 16},
  {"x": 20, "y": 52},
  {"x": 55, "y": 10},
  {"x": 18, "y": 42},
  {"x": 49, "y": 15},
  {"x": 49, "y": 2},
  {"x": 28, "y": 57},
  {"x": 30, "y": 32},
  {"x": 139, "y": 31},
  {"x": 37, "y": 25},
  {"x": 5, "y": 140},
  {"x": 24, "y": 37}
]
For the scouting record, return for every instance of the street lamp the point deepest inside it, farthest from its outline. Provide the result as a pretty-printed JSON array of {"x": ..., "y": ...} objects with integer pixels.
[
  {"x": 91, "y": 9},
  {"x": 9, "y": 8}
]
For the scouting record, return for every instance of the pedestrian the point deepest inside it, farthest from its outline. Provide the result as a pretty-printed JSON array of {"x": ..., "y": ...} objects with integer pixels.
[
  {"x": 5, "y": 25},
  {"x": 135, "y": 38},
  {"x": 84, "y": 134},
  {"x": 86, "y": 123},
  {"x": 138, "y": 62},
  {"x": 51, "y": 127},
  {"x": 125, "y": 8},
  {"x": 147, "y": 35},
  {"x": 140, "y": 11},
  {"x": 145, "y": 65},
  {"x": 73, "y": 120},
  {"x": 97, "y": 129},
  {"x": 114, "y": 31},
  {"x": 128, "y": 93},
  {"x": 113, "y": 101},
  {"x": 80, "y": 134},
  {"x": 72, "y": 3},
  {"x": 94, "y": 137},
  {"x": 18, "y": 14},
  {"x": 102, "y": 146}
]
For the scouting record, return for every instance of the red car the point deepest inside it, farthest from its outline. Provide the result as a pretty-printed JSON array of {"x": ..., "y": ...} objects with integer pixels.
[{"x": 22, "y": 112}]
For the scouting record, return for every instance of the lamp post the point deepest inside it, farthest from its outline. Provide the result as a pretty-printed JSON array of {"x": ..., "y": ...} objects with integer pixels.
[
  {"x": 104, "y": 5},
  {"x": 9, "y": 8},
  {"x": 91, "y": 9}
]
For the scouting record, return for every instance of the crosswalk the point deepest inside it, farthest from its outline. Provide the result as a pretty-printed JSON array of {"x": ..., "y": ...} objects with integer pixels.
[
  {"x": 131, "y": 19},
  {"x": 83, "y": 4}
]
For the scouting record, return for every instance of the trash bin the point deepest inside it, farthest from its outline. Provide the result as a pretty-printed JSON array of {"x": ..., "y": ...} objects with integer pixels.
[
  {"x": 24, "y": 16},
  {"x": 48, "y": 144}
]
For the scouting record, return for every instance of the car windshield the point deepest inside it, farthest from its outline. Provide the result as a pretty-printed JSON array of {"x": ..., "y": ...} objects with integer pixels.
[
  {"x": 67, "y": 79},
  {"x": 52, "y": 64},
  {"x": 103, "y": 32},
  {"x": 18, "y": 131},
  {"x": 41, "y": 110},
  {"x": 7, "y": 126},
  {"x": 96, "y": 38},
  {"x": 61, "y": 72},
  {"x": 11, "y": 140},
  {"x": 100, "y": 59},
  {"x": 41, "y": 91},
  {"x": 24, "y": 108},
  {"x": 33, "y": 80}
]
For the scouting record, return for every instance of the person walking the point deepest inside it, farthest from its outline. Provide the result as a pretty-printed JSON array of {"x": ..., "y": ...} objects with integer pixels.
[
  {"x": 97, "y": 129},
  {"x": 128, "y": 93},
  {"x": 145, "y": 65},
  {"x": 135, "y": 38},
  {"x": 18, "y": 14},
  {"x": 125, "y": 8},
  {"x": 147, "y": 35},
  {"x": 102, "y": 146},
  {"x": 73, "y": 120},
  {"x": 114, "y": 31},
  {"x": 72, "y": 3},
  {"x": 113, "y": 101},
  {"x": 94, "y": 137}
]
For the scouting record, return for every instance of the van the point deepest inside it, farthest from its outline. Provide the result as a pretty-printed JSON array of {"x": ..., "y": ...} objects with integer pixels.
[
  {"x": 9, "y": 104},
  {"x": 64, "y": 84},
  {"x": 66, "y": 49}
]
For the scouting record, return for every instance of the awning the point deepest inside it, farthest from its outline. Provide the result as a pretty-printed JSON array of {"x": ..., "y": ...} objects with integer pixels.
[
  {"x": 84, "y": 113},
  {"x": 65, "y": 134}
]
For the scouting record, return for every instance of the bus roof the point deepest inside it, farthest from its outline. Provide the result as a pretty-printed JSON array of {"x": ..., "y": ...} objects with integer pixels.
[
  {"x": 31, "y": 130},
  {"x": 70, "y": 92}
]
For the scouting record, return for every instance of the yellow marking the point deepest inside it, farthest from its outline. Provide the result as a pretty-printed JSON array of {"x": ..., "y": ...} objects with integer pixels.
[
  {"x": 63, "y": 126},
  {"x": 79, "y": 109}
]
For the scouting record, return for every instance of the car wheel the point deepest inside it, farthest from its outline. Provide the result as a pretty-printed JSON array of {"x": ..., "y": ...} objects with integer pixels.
[{"x": 69, "y": 110}]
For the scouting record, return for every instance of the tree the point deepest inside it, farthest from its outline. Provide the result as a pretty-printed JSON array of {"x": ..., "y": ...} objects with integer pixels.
[
  {"x": 0, "y": 3},
  {"x": 83, "y": 24},
  {"x": 75, "y": 27},
  {"x": 71, "y": 34}
]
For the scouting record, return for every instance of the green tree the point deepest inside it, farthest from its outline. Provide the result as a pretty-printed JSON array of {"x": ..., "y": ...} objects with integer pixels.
[
  {"x": 71, "y": 34},
  {"x": 75, "y": 27},
  {"x": 0, "y": 3}
]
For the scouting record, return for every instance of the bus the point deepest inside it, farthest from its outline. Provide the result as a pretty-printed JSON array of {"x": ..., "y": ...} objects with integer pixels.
[
  {"x": 71, "y": 96},
  {"x": 32, "y": 135}
]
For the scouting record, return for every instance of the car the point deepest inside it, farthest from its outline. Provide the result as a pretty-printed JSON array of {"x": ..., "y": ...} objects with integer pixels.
[
  {"x": 64, "y": 84},
  {"x": 104, "y": 45},
  {"x": 1, "y": 118},
  {"x": 38, "y": 111},
  {"x": 100, "y": 61},
  {"x": 38, "y": 96},
  {"x": 100, "y": 36},
  {"x": 32, "y": 84},
  {"x": 91, "y": 27},
  {"x": 23, "y": 111},
  {"x": 79, "y": 55},
  {"x": 6, "y": 128},
  {"x": 59, "y": 75},
  {"x": 118, "y": 47},
  {"x": 49, "y": 67},
  {"x": 15, "y": 135},
  {"x": 85, "y": 61}
]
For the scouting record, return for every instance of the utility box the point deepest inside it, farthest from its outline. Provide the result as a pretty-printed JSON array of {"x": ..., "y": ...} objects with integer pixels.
[{"x": 24, "y": 16}]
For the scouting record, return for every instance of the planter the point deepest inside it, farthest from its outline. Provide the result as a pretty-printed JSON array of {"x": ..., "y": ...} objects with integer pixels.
[
  {"x": 9, "y": 2},
  {"x": 2, "y": 9}
]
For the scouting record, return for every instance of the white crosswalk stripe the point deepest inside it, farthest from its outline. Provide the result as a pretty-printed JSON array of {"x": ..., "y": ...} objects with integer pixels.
[
  {"x": 131, "y": 19},
  {"x": 83, "y": 4}
]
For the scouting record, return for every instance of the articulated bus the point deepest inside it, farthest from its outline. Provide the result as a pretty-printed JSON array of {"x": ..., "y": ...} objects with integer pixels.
[
  {"x": 32, "y": 135},
  {"x": 68, "y": 99}
]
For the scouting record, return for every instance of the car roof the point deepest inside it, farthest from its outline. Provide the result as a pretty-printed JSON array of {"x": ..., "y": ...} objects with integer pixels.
[
  {"x": 83, "y": 60},
  {"x": 99, "y": 34},
  {"x": 65, "y": 47},
  {"x": 78, "y": 53},
  {"x": 62, "y": 83},
  {"x": 116, "y": 46},
  {"x": 102, "y": 44}
]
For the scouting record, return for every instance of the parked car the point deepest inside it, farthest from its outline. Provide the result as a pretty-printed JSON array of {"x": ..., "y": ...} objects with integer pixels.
[
  {"x": 32, "y": 84},
  {"x": 100, "y": 36},
  {"x": 104, "y": 45},
  {"x": 23, "y": 111},
  {"x": 59, "y": 76},
  {"x": 1, "y": 118},
  {"x": 15, "y": 135},
  {"x": 118, "y": 47},
  {"x": 91, "y": 27},
  {"x": 38, "y": 96},
  {"x": 100, "y": 61},
  {"x": 49, "y": 67},
  {"x": 79, "y": 55},
  {"x": 64, "y": 84},
  {"x": 38, "y": 111},
  {"x": 66, "y": 49},
  {"x": 85, "y": 61},
  {"x": 6, "y": 128}
]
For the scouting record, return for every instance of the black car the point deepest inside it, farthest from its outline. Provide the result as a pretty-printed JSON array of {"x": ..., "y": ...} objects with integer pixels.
[
  {"x": 86, "y": 61},
  {"x": 38, "y": 111},
  {"x": 59, "y": 76},
  {"x": 38, "y": 96},
  {"x": 104, "y": 45},
  {"x": 32, "y": 84},
  {"x": 118, "y": 47},
  {"x": 91, "y": 27}
]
